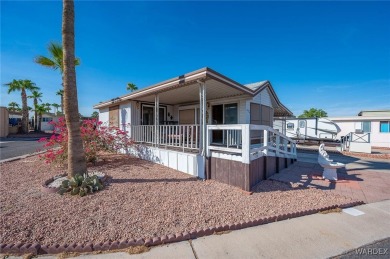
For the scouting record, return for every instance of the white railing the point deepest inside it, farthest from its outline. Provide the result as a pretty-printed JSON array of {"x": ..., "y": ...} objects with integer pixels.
[
  {"x": 354, "y": 137},
  {"x": 181, "y": 136},
  {"x": 249, "y": 141}
]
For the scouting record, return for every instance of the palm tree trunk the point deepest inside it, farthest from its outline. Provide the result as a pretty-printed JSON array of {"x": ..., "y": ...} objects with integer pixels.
[
  {"x": 76, "y": 157},
  {"x": 35, "y": 115},
  {"x": 24, "y": 111},
  {"x": 40, "y": 123}
]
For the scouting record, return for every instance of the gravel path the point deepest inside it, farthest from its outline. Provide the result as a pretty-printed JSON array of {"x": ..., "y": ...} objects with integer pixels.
[{"x": 142, "y": 200}]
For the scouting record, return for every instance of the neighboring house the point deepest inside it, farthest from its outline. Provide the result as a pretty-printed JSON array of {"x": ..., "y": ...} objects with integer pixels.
[
  {"x": 377, "y": 123},
  {"x": 205, "y": 124},
  {"x": 47, "y": 118}
]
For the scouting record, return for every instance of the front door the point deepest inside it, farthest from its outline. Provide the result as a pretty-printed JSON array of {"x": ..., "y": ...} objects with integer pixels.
[
  {"x": 223, "y": 114},
  {"x": 148, "y": 115}
]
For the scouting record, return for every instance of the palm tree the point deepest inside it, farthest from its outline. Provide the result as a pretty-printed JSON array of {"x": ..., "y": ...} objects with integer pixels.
[
  {"x": 55, "y": 61},
  {"x": 132, "y": 87},
  {"x": 56, "y": 106},
  {"x": 13, "y": 106},
  {"x": 76, "y": 156},
  {"x": 48, "y": 106},
  {"x": 22, "y": 86},
  {"x": 61, "y": 93},
  {"x": 40, "y": 109},
  {"x": 36, "y": 96}
]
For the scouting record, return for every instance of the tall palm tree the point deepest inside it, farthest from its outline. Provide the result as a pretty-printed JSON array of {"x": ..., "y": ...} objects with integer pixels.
[
  {"x": 40, "y": 109},
  {"x": 76, "y": 156},
  {"x": 132, "y": 87},
  {"x": 56, "y": 106},
  {"x": 61, "y": 93},
  {"x": 13, "y": 106},
  {"x": 22, "y": 86},
  {"x": 36, "y": 95}
]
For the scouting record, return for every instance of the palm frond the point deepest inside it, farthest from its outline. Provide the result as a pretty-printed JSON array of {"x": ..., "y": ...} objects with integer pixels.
[{"x": 47, "y": 62}]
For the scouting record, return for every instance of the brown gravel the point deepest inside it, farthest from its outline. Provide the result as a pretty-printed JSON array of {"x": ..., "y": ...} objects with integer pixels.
[{"x": 142, "y": 200}]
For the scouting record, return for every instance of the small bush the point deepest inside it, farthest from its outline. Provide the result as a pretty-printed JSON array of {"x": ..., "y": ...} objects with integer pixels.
[
  {"x": 81, "y": 185},
  {"x": 96, "y": 138}
]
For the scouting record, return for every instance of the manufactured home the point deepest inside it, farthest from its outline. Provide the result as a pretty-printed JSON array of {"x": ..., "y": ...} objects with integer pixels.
[
  {"x": 307, "y": 128},
  {"x": 369, "y": 126},
  {"x": 207, "y": 125}
]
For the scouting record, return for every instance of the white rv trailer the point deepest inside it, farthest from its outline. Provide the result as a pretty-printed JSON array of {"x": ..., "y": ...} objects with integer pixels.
[{"x": 307, "y": 128}]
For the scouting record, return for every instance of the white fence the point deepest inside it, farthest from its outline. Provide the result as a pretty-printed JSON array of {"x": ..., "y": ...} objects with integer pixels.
[{"x": 249, "y": 141}]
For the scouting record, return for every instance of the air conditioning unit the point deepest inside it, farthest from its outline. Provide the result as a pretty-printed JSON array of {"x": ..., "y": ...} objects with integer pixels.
[{"x": 359, "y": 131}]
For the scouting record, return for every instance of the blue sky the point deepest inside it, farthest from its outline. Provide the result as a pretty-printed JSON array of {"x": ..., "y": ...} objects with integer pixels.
[{"x": 334, "y": 56}]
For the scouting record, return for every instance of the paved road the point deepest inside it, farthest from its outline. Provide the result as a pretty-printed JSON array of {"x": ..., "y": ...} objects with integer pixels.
[
  {"x": 375, "y": 165},
  {"x": 13, "y": 147}
]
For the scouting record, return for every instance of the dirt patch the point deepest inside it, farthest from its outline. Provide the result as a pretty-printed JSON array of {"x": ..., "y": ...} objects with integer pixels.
[{"x": 142, "y": 200}]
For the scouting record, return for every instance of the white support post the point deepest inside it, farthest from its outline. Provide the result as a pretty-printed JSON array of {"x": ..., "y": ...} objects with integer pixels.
[
  {"x": 202, "y": 123},
  {"x": 201, "y": 119},
  {"x": 156, "y": 118},
  {"x": 265, "y": 142},
  {"x": 246, "y": 143}
]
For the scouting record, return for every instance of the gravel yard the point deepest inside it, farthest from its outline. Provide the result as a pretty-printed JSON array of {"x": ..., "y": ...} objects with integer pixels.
[{"x": 141, "y": 200}]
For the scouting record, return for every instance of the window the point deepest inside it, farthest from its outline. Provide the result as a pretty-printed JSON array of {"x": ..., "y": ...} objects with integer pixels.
[
  {"x": 366, "y": 126},
  {"x": 302, "y": 124},
  {"x": 363, "y": 126},
  {"x": 44, "y": 119},
  {"x": 290, "y": 125},
  {"x": 384, "y": 126}
]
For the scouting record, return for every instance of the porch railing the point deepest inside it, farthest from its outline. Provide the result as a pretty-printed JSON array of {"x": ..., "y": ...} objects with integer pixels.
[
  {"x": 180, "y": 136},
  {"x": 249, "y": 141}
]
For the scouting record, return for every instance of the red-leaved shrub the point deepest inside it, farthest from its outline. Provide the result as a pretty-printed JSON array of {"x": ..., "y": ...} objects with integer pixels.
[{"x": 96, "y": 138}]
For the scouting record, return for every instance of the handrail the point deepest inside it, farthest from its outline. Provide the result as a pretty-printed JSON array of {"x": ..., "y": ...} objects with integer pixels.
[{"x": 270, "y": 140}]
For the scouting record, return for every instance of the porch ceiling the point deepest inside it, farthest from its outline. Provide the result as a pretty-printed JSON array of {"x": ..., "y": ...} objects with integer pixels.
[{"x": 189, "y": 93}]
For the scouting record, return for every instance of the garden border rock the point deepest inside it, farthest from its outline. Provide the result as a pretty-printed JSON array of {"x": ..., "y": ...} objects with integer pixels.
[{"x": 24, "y": 248}]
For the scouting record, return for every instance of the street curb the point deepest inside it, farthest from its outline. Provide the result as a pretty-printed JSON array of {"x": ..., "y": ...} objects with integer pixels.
[
  {"x": 22, "y": 157},
  {"x": 22, "y": 248}
]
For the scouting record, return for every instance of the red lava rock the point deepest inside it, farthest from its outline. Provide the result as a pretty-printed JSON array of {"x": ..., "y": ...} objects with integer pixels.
[{"x": 133, "y": 202}]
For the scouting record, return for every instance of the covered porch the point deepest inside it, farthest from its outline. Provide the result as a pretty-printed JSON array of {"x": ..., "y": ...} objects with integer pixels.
[{"x": 194, "y": 120}]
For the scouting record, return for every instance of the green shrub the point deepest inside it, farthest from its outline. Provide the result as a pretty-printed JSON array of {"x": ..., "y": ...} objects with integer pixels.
[{"x": 81, "y": 185}]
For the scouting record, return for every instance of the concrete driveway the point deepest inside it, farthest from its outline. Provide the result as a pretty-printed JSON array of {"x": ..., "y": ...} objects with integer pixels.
[{"x": 13, "y": 147}]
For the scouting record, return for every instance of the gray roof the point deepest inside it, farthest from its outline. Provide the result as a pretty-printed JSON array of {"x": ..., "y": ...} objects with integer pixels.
[{"x": 255, "y": 86}]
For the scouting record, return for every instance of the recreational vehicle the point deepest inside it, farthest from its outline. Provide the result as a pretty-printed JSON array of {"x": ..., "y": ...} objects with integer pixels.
[{"x": 307, "y": 128}]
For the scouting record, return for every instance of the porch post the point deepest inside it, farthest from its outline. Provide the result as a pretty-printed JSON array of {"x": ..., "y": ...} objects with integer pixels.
[
  {"x": 156, "y": 119},
  {"x": 202, "y": 123}
]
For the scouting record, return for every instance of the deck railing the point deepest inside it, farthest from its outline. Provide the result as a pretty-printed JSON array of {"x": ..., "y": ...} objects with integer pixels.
[
  {"x": 249, "y": 141},
  {"x": 180, "y": 136}
]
